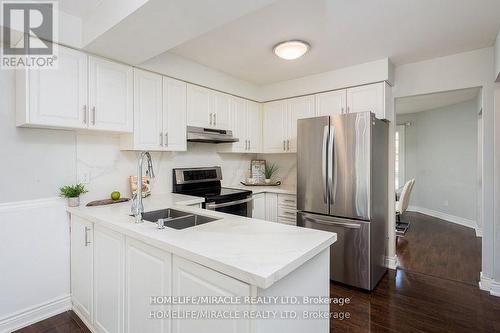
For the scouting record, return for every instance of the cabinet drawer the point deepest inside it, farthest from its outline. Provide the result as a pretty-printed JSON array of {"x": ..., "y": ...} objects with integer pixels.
[
  {"x": 287, "y": 200},
  {"x": 290, "y": 213},
  {"x": 288, "y": 221}
]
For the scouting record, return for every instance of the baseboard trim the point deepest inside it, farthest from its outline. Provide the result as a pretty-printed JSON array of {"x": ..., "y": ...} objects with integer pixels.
[
  {"x": 489, "y": 285},
  {"x": 391, "y": 262},
  {"x": 444, "y": 216},
  {"x": 35, "y": 314}
]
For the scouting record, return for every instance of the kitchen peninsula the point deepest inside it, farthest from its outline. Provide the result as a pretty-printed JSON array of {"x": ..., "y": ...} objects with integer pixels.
[{"x": 118, "y": 267}]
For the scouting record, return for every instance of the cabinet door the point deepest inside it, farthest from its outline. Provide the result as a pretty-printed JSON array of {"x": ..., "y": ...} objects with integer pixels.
[
  {"x": 254, "y": 127},
  {"x": 271, "y": 207},
  {"x": 109, "y": 284},
  {"x": 259, "y": 206},
  {"x": 81, "y": 267},
  {"x": 174, "y": 114},
  {"x": 148, "y": 109},
  {"x": 198, "y": 106},
  {"x": 298, "y": 108},
  {"x": 275, "y": 127},
  {"x": 148, "y": 274},
  {"x": 239, "y": 124},
  {"x": 110, "y": 95},
  {"x": 367, "y": 98},
  {"x": 220, "y": 108},
  {"x": 331, "y": 103},
  {"x": 58, "y": 97},
  {"x": 190, "y": 279}
]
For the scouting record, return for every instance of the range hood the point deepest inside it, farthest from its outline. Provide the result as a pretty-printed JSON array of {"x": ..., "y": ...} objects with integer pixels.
[{"x": 209, "y": 135}]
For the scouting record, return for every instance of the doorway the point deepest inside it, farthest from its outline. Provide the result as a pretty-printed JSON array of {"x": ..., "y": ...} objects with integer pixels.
[{"x": 438, "y": 184}]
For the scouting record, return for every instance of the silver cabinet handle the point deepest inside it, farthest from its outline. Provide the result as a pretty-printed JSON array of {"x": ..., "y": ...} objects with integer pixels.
[
  {"x": 93, "y": 115},
  {"x": 211, "y": 119},
  {"x": 85, "y": 114},
  {"x": 87, "y": 242},
  {"x": 342, "y": 110},
  {"x": 166, "y": 139},
  {"x": 215, "y": 119},
  {"x": 289, "y": 213},
  {"x": 347, "y": 110},
  {"x": 161, "y": 139},
  {"x": 288, "y": 145},
  {"x": 246, "y": 144},
  {"x": 284, "y": 145}
]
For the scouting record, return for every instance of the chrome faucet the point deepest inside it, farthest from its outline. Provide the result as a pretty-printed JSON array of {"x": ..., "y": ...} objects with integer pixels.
[{"x": 137, "y": 206}]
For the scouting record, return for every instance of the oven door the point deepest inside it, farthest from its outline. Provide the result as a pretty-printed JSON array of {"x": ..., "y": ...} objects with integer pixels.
[{"x": 241, "y": 207}]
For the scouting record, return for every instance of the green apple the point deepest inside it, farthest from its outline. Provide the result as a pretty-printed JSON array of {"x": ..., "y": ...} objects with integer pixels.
[{"x": 115, "y": 195}]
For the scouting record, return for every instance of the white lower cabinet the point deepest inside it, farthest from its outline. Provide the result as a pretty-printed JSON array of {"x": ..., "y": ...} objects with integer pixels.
[
  {"x": 281, "y": 208},
  {"x": 190, "y": 279},
  {"x": 259, "y": 206},
  {"x": 82, "y": 267},
  {"x": 272, "y": 207},
  {"x": 148, "y": 273},
  {"x": 109, "y": 280}
]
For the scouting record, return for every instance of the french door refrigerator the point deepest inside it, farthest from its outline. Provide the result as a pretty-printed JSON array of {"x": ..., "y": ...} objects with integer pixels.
[{"x": 342, "y": 170}]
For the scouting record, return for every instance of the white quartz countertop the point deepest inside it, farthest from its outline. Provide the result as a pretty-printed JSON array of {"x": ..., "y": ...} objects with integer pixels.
[
  {"x": 282, "y": 189},
  {"x": 254, "y": 251}
]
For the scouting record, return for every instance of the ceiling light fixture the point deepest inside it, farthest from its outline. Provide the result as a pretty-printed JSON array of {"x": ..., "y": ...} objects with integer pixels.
[{"x": 291, "y": 49}]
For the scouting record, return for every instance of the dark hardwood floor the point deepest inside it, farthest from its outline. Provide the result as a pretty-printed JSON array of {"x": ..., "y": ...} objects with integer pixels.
[
  {"x": 439, "y": 248},
  {"x": 66, "y": 322}
]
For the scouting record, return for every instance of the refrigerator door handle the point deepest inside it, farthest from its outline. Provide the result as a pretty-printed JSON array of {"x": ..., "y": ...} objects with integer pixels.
[
  {"x": 324, "y": 166},
  {"x": 340, "y": 224},
  {"x": 332, "y": 167}
]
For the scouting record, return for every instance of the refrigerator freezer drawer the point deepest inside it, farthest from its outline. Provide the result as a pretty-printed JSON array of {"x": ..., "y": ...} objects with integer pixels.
[{"x": 350, "y": 254}]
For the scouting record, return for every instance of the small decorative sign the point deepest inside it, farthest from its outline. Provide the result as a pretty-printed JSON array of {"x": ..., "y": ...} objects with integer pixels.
[{"x": 257, "y": 169}]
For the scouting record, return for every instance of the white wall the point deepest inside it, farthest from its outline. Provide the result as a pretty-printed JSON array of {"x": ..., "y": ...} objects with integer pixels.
[
  {"x": 440, "y": 154},
  {"x": 375, "y": 71},
  {"x": 464, "y": 70},
  {"x": 187, "y": 70},
  {"x": 497, "y": 57}
]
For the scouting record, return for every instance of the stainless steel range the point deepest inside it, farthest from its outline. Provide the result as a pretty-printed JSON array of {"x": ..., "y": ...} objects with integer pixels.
[{"x": 206, "y": 183}]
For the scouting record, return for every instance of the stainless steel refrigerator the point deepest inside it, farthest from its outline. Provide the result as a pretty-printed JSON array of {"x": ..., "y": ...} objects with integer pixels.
[{"x": 342, "y": 170}]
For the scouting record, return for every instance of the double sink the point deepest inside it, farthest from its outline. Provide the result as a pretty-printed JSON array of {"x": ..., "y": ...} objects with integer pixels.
[{"x": 176, "y": 219}]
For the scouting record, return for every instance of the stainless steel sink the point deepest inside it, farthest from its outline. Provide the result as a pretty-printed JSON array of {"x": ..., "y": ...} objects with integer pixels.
[{"x": 176, "y": 219}]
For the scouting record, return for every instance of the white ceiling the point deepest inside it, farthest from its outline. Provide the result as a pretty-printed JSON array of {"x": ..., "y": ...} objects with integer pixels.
[
  {"x": 78, "y": 8},
  {"x": 343, "y": 33},
  {"x": 427, "y": 102}
]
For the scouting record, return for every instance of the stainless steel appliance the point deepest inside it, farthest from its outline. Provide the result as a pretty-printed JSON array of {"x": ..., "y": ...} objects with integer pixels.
[
  {"x": 209, "y": 135},
  {"x": 206, "y": 183},
  {"x": 342, "y": 164}
]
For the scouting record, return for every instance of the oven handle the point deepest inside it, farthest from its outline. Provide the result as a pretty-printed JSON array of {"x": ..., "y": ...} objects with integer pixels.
[{"x": 213, "y": 206}]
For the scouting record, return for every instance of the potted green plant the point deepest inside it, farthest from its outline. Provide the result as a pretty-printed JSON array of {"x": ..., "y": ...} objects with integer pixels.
[
  {"x": 269, "y": 171},
  {"x": 72, "y": 193}
]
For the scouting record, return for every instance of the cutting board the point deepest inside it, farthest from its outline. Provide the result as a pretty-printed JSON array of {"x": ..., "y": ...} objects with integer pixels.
[{"x": 106, "y": 202}]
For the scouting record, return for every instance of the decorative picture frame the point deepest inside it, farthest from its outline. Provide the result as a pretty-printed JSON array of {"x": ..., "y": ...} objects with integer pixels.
[{"x": 257, "y": 168}]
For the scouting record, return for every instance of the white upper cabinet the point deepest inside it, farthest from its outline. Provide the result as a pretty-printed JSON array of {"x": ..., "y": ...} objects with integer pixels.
[
  {"x": 159, "y": 114},
  {"x": 280, "y": 123},
  {"x": 220, "y": 110},
  {"x": 331, "y": 103},
  {"x": 367, "y": 98},
  {"x": 275, "y": 127},
  {"x": 81, "y": 93},
  {"x": 254, "y": 126},
  {"x": 148, "y": 110},
  {"x": 54, "y": 97},
  {"x": 174, "y": 115},
  {"x": 198, "y": 106},
  {"x": 110, "y": 95},
  {"x": 298, "y": 108},
  {"x": 239, "y": 125}
]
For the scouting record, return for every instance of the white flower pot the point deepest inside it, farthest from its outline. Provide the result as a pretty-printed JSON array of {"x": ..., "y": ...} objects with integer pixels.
[
  {"x": 74, "y": 202},
  {"x": 268, "y": 181}
]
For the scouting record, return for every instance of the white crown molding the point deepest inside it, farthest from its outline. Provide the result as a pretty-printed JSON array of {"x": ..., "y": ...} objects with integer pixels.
[
  {"x": 35, "y": 314},
  {"x": 30, "y": 204},
  {"x": 444, "y": 216}
]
